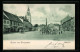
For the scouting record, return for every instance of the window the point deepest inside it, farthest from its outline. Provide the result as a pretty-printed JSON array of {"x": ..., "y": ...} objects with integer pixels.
[
  {"x": 18, "y": 23},
  {"x": 21, "y": 24},
  {"x": 14, "y": 23},
  {"x": 11, "y": 23},
  {"x": 7, "y": 22},
  {"x": 4, "y": 21}
]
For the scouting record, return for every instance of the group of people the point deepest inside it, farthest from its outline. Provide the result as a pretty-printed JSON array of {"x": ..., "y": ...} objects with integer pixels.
[{"x": 50, "y": 31}]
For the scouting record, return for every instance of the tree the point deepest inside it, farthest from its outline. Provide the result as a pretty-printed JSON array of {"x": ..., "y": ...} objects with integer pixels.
[{"x": 36, "y": 25}]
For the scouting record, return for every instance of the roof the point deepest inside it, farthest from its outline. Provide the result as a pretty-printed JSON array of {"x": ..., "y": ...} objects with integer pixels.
[
  {"x": 12, "y": 17},
  {"x": 28, "y": 24},
  {"x": 25, "y": 19},
  {"x": 21, "y": 19},
  {"x": 57, "y": 24},
  {"x": 4, "y": 17},
  {"x": 66, "y": 19}
]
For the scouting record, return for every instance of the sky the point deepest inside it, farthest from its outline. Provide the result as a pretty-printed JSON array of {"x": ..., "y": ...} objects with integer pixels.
[{"x": 39, "y": 12}]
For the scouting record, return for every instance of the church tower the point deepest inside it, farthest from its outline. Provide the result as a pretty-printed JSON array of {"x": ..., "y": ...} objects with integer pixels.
[{"x": 28, "y": 15}]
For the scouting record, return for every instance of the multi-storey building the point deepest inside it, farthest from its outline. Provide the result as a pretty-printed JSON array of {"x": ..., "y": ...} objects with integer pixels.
[
  {"x": 12, "y": 21},
  {"x": 68, "y": 23},
  {"x": 6, "y": 23}
]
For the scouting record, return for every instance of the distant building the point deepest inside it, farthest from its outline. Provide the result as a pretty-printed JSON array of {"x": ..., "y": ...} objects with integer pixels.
[
  {"x": 68, "y": 23},
  {"x": 57, "y": 26},
  {"x": 54, "y": 26},
  {"x": 40, "y": 27},
  {"x": 26, "y": 24}
]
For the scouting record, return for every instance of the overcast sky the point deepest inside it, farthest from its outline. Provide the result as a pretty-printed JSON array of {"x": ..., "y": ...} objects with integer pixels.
[{"x": 53, "y": 12}]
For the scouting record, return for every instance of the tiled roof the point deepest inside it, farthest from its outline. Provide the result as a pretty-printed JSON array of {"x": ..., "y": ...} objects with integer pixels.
[{"x": 12, "y": 17}]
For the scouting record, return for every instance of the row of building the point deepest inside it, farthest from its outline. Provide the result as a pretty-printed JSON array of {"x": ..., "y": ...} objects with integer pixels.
[
  {"x": 14, "y": 23},
  {"x": 68, "y": 23}
]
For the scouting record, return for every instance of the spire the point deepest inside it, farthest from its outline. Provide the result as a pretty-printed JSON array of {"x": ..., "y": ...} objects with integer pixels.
[
  {"x": 28, "y": 9},
  {"x": 28, "y": 15}
]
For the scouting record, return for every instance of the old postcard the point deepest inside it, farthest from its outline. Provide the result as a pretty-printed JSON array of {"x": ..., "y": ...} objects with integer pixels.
[{"x": 38, "y": 26}]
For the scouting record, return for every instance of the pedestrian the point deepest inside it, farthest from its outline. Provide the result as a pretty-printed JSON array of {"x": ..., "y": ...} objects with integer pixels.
[
  {"x": 59, "y": 32},
  {"x": 20, "y": 30}
]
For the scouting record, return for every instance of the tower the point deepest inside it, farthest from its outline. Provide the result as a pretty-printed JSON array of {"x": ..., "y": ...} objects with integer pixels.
[{"x": 28, "y": 15}]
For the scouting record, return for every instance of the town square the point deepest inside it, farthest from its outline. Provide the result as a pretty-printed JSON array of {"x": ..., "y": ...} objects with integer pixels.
[{"x": 39, "y": 22}]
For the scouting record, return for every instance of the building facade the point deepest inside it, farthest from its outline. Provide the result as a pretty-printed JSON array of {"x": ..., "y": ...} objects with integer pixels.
[
  {"x": 68, "y": 23},
  {"x": 11, "y": 23},
  {"x": 6, "y": 23},
  {"x": 26, "y": 24}
]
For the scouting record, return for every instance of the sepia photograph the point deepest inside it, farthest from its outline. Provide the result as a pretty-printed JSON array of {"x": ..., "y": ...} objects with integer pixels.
[{"x": 43, "y": 23}]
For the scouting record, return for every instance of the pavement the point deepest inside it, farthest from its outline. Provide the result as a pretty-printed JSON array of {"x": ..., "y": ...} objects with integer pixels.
[{"x": 36, "y": 35}]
